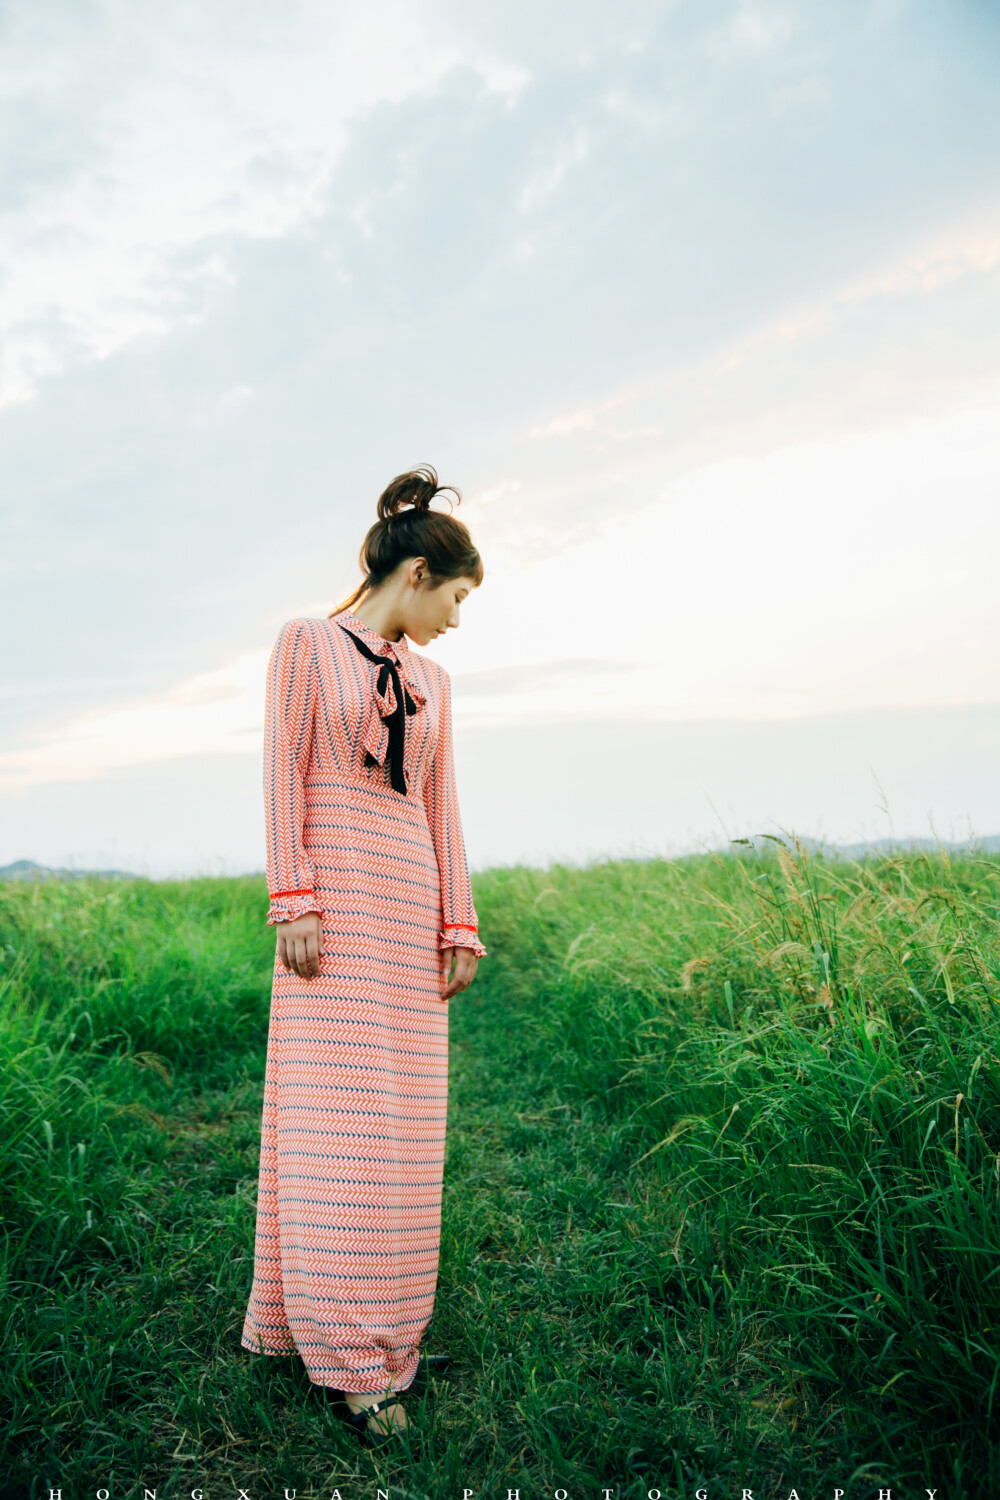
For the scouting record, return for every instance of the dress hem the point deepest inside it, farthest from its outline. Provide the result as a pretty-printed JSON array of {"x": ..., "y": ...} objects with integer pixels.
[{"x": 329, "y": 1385}]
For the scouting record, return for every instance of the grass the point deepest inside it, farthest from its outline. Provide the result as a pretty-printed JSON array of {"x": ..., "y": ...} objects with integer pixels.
[{"x": 722, "y": 1193}]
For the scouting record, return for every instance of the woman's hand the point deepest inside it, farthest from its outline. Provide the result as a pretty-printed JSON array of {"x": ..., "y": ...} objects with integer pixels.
[
  {"x": 300, "y": 944},
  {"x": 464, "y": 972}
]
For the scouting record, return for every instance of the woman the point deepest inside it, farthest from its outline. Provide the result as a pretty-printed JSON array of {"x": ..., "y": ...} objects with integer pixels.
[{"x": 376, "y": 931}]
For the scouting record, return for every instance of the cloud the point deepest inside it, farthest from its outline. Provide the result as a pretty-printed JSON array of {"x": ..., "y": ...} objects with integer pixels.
[
  {"x": 753, "y": 29},
  {"x": 962, "y": 251},
  {"x": 214, "y": 713},
  {"x": 580, "y": 421},
  {"x": 893, "y": 341},
  {"x": 818, "y": 577},
  {"x": 202, "y": 126},
  {"x": 544, "y": 180}
]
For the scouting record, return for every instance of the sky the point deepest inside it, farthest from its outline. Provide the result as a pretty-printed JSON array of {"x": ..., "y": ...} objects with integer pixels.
[{"x": 697, "y": 303}]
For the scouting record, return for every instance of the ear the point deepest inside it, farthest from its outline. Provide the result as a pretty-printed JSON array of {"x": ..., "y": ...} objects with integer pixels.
[{"x": 418, "y": 571}]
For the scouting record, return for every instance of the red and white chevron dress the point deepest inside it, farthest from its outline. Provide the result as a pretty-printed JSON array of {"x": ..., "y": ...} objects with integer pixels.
[{"x": 355, "y": 1091}]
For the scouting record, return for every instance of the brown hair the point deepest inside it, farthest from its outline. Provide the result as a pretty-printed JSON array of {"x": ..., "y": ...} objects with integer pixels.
[{"x": 407, "y": 527}]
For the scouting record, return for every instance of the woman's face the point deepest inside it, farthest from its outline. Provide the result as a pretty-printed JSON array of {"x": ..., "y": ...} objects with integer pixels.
[{"x": 433, "y": 610}]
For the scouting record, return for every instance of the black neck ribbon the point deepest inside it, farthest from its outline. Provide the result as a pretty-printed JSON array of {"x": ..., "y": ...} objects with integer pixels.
[{"x": 396, "y": 721}]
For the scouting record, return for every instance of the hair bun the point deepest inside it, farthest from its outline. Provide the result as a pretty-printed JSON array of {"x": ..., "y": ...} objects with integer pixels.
[{"x": 414, "y": 490}]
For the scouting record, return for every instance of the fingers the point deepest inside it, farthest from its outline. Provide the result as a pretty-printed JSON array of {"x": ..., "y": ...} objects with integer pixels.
[
  {"x": 300, "y": 947},
  {"x": 307, "y": 955},
  {"x": 465, "y": 970},
  {"x": 448, "y": 955}
]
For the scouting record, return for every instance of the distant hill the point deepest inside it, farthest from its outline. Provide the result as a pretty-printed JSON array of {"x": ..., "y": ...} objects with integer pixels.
[
  {"x": 990, "y": 844},
  {"x": 26, "y": 869}
]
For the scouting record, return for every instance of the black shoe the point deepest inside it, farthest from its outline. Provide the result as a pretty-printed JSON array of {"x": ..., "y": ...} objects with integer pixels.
[{"x": 374, "y": 1435}]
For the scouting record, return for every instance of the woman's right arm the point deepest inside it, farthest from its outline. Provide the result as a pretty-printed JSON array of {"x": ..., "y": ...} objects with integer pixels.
[{"x": 289, "y": 709}]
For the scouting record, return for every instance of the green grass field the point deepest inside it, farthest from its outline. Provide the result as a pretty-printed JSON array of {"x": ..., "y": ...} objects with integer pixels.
[{"x": 722, "y": 1192}]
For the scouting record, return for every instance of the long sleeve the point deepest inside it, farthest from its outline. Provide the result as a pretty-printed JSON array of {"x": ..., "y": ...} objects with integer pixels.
[
  {"x": 460, "y": 925},
  {"x": 288, "y": 731}
]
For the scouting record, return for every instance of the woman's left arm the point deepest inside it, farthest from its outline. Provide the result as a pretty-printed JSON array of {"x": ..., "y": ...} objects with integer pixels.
[{"x": 459, "y": 935}]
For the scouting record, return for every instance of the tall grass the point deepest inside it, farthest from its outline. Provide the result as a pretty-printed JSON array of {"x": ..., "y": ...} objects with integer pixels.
[
  {"x": 813, "y": 1046},
  {"x": 130, "y": 1023},
  {"x": 722, "y": 1190}
]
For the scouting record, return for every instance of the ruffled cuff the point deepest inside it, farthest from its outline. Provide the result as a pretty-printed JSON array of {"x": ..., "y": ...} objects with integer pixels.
[
  {"x": 287, "y": 905},
  {"x": 462, "y": 936}
]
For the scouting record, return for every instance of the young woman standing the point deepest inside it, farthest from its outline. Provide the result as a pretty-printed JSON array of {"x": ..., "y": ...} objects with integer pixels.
[{"x": 376, "y": 931}]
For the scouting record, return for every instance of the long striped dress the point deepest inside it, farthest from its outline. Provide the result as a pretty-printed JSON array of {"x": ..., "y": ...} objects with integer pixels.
[{"x": 355, "y": 1091}]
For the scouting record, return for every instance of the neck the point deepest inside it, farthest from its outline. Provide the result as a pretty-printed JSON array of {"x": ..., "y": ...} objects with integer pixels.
[{"x": 379, "y": 614}]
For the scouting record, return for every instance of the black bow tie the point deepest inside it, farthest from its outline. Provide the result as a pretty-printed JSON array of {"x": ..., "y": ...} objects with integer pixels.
[{"x": 396, "y": 721}]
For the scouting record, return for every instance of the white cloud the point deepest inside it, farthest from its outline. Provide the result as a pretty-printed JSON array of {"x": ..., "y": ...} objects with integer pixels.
[
  {"x": 543, "y": 182},
  {"x": 214, "y": 713},
  {"x": 885, "y": 345},
  {"x": 584, "y": 420},
  {"x": 826, "y": 577},
  {"x": 823, "y": 577},
  {"x": 963, "y": 250},
  {"x": 753, "y": 28},
  {"x": 205, "y": 128}
]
